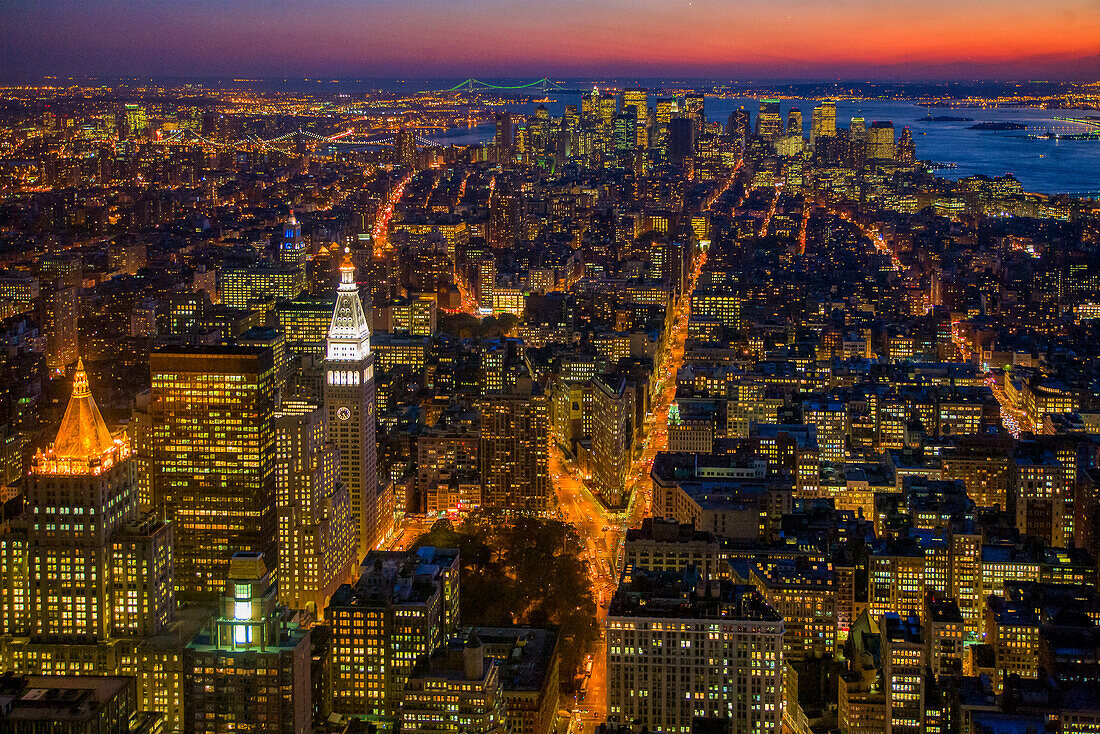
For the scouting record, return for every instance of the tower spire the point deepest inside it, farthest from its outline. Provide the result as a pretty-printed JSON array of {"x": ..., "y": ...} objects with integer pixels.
[
  {"x": 83, "y": 444},
  {"x": 347, "y": 272},
  {"x": 348, "y": 333}
]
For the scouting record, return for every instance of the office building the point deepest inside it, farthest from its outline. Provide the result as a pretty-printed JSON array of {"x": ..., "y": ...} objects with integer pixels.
[
  {"x": 403, "y": 607},
  {"x": 804, "y": 593},
  {"x": 880, "y": 141},
  {"x": 624, "y": 134},
  {"x": 448, "y": 468},
  {"x": 514, "y": 450},
  {"x": 87, "y": 582},
  {"x": 455, "y": 689},
  {"x": 92, "y": 574},
  {"x": 769, "y": 124},
  {"x": 249, "y": 668},
  {"x": 350, "y": 401},
  {"x": 214, "y": 458},
  {"x": 613, "y": 415},
  {"x": 257, "y": 286},
  {"x": 681, "y": 139},
  {"x": 304, "y": 322},
  {"x": 823, "y": 121},
  {"x": 318, "y": 540},
  {"x": 528, "y": 659},
  {"x": 60, "y": 309},
  {"x": 293, "y": 248},
  {"x": 680, "y": 647},
  {"x": 903, "y": 665},
  {"x": 638, "y": 100},
  {"x": 794, "y": 122}
]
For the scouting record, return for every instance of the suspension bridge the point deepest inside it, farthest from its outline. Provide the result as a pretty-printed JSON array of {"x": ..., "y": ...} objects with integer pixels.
[
  {"x": 1073, "y": 131},
  {"x": 476, "y": 85},
  {"x": 286, "y": 143}
]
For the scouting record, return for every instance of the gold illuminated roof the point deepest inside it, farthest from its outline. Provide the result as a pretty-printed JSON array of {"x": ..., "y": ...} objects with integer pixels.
[{"x": 83, "y": 433}]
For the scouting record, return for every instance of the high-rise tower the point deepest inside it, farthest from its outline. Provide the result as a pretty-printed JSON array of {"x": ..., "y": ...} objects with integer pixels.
[
  {"x": 292, "y": 247},
  {"x": 212, "y": 411},
  {"x": 823, "y": 121},
  {"x": 768, "y": 122},
  {"x": 350, "y": 402},
  {"x": 81, "y": 498}
]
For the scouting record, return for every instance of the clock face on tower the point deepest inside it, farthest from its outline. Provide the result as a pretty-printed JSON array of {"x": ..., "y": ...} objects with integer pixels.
[{"x": 343, "y": 412}]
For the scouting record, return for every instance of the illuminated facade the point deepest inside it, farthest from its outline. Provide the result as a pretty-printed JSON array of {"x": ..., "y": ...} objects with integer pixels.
[
  {"x": 805, "y": 596},
  {"x": 823, "y": 121},
  {"x": 214, "y": 458},
  {"x": 249, "y": 668},
  {"x": 89, "y": 562},
  {"x": 293, "y": 249},
  {"x": 87, "y": 577},
  {"x": 612, "y": 438},
  {"x": 318, "y": 541},
  {"x": 246, "y": 288},
  {"x": 903, "y": 657},
  {"x": 769, "y": 124},
  {"x": 457, "y": 689},
  {"x": 304, "y": 322},
  {"x": 350, "y": 401},
  {"x": 60, "y": 312},
  {"x": 404, "y": 606},
  {"x": 679, "y": 647},
  {"x": 514, "y": 451}
]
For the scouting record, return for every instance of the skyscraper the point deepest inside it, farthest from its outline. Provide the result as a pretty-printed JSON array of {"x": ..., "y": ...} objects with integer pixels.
[
  {"x": 768, "y": 122},
  {"x": 214, "y": 458},
  {"x": 404, "y": 148},
  {"x": 137, "y": 120},
  {"x": 638, "y": 100},
  {"x": 794, "y": 121},
  {"x": 514, "y": 450},
  {"x": 624, "y": 136},
  {"x": 350, "y": 401},
  {"x": 905, "y": 150},
  {"x": 60, "y": 310},
  {"x": 738, "y": 127},
  {"x": 612, "y": 437},
  {"x": 695, "y": 107},
  {"x": 505, "y": 138},
  {"x": 318, "y": 542},
  {"x": 81, "y": 498},
  {"x": 87, "y": 578},
  {"x": 249, "y": 669},
  {"x": 880, "y": 141},
  {"x": 823, "y": 121},
  {"x": 681, "y": 139},
  {"x": 292, "y": 247}
]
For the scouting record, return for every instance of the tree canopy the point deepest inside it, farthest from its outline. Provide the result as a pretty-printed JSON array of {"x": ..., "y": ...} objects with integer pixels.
[{"x": 525, "y": 572}]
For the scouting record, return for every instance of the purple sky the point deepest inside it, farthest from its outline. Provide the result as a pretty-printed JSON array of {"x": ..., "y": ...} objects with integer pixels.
[{"x": 809, "y": 39}]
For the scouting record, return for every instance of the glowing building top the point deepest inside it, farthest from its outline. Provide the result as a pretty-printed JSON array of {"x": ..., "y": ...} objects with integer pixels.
[
  {"x": 83, "y": 444},
  {"x": 348, "y": 334}
]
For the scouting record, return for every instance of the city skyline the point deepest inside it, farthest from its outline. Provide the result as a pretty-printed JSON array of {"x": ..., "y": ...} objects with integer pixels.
[
  {"x": 602, "y": 392},
  {"x": 792, "y": 39}
]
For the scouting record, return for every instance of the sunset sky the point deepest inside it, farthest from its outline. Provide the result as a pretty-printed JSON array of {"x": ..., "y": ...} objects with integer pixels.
[{"x": 752, "y": 39}]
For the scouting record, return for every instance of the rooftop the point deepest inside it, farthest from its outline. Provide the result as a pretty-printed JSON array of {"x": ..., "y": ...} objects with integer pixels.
[{"x": 684, "y": 595}]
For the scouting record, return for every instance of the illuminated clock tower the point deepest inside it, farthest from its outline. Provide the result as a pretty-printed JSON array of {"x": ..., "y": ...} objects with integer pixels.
[{"x": 350, "y": 403}]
